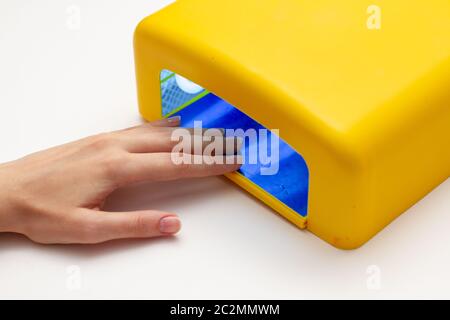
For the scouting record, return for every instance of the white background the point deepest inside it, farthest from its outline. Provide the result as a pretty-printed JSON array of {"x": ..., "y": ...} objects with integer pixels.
[{"x": 59, "y": 83}]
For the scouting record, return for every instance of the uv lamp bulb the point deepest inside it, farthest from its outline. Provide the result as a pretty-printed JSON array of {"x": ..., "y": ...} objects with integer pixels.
[{"x": 187, "y": 85}]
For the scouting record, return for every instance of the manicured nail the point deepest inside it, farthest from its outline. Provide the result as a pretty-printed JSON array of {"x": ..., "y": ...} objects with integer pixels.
[
  {"x": 214, "y": 132},
  {"x": 169, "y": 225},
  {"x": 239, "y": 159},
  {"x": 239, "y": 144},
  {"x": 233, "y": 145},
  {"x": 174, "y": 119}
]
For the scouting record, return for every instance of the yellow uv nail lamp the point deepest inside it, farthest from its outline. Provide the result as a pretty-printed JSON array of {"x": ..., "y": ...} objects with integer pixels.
[{"x": 360, "y": 95}]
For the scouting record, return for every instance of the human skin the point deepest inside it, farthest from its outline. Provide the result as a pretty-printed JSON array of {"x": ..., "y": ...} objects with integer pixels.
[{"x": 56, "y": 196}]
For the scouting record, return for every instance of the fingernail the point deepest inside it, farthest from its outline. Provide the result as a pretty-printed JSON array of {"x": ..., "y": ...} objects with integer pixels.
[
  {"x": 239, "y": 144},
  {"x": 174, "y": 119},
  {"x": 239, "y": 159},
  {"x": 214, "y": 132},
  {"x": 235, "y": 160},
  {"x": 169, "y": 225},
  {"x": 233, "y": 145}
]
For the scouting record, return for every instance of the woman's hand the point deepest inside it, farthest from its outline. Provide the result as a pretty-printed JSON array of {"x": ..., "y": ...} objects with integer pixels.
[{"x": 56, "y": 196}]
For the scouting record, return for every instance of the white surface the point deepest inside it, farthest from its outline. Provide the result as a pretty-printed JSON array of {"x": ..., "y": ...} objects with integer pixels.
[{"x": 58, "y": 84}]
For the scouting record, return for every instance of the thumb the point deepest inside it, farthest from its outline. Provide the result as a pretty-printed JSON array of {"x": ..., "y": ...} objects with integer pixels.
[{"x": 104, "y": 226}]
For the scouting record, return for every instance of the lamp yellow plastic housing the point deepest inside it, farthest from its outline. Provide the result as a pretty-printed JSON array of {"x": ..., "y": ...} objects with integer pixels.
[{"x": 367, "y": 108}]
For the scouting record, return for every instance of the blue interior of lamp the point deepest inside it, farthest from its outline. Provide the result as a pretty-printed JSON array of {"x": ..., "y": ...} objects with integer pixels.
[{"x": 289, "y": 185}]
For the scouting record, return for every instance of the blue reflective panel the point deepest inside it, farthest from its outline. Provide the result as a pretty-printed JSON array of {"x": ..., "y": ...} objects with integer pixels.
[{"x": 289, "y": 184}]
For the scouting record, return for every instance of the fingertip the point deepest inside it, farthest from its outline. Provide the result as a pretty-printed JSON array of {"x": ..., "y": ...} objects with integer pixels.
[
  {"x": 170, "y": 225},
  {"x": 175, "y": 120},
  {"x": 235, "y": 162}
]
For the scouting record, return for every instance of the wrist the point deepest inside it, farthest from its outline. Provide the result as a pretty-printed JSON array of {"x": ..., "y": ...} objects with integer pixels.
[{"x": 7, "y": 207}]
